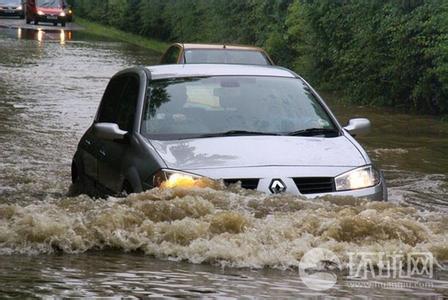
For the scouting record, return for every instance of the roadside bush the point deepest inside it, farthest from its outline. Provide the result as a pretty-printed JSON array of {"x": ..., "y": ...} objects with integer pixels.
[{"x": 377, "y": 52}]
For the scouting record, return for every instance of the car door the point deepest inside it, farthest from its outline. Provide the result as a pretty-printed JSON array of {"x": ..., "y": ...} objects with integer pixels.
[
  {"x": 89, "y": 155},
  {"x": 122, "y": 111},
  {"x": 90, "y": 144}
]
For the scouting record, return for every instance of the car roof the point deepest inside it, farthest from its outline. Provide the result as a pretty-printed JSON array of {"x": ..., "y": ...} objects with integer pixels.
[
  {"x": 218, "y": 46},
  {"x": 198, "y": 70}
]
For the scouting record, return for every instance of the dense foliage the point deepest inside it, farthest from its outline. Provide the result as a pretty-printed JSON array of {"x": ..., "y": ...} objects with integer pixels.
[{"x": 380, "y": 52}]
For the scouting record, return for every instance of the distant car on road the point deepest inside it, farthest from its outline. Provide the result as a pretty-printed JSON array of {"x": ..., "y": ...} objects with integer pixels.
[
  {"x": 265, "y": 127},
  {"x": 49, "y": 11},
  {"x": 179, "y": 53},
  {"x": 12, "y": 8}
]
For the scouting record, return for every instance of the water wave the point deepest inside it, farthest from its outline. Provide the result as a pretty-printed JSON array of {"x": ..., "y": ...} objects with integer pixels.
[{"x": 232, "y": 227}]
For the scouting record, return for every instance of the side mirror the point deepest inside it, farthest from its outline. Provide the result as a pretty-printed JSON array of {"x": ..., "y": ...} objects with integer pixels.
[
  {"x": 358, "y": 126},
  {"x": 109, "y": 131}
]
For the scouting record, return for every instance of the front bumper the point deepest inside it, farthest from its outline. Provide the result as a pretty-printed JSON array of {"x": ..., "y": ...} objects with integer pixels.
[
  {"x": 12, "y": 13},
  {"x": 375, "y": 193},
  {"x": 51, "y": 19},
  {"x": 266, "y": 176}
]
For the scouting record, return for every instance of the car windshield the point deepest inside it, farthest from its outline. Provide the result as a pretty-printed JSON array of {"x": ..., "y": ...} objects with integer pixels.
[
  {"x": 49, "y": 3},
  {"x": 10, "y": 2},
  {"x": 225, "y": 56},
  {"x": 201, "y": 106}
]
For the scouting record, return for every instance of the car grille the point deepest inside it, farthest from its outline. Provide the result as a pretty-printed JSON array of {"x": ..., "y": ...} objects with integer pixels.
[
  {"x": 250, "y": 184},
  {"x": 315, "y": 185}
]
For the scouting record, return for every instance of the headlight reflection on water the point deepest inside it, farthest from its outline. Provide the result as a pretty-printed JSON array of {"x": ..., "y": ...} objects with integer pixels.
[
  {"x": 62, "y": 36},
  {"x": 40, "y": 35}
]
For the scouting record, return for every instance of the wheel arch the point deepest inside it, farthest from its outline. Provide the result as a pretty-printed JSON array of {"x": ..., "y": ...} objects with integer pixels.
[
  {"x": 76, "y": 167},
  {"x": 133, "y": 179}
]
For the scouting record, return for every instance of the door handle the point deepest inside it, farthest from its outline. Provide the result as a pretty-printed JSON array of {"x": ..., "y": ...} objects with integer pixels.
[{"x": 102, "y": 152}]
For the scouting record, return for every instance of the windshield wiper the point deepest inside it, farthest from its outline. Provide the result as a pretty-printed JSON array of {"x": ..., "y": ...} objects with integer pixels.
[
  {"x": 315, "y": 131},
  {"x": 237, "y": 133}
]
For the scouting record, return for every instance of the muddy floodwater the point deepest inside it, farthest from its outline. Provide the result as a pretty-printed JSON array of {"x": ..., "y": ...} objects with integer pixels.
[{"x": 207, "y": 243}]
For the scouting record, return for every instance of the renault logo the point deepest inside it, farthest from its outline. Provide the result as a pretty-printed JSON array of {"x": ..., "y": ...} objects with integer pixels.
[{"x": 277, "y": 186}]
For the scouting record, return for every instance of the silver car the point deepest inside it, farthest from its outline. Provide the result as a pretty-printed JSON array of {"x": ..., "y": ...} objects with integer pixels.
[
  {"x": 11, "y": 8},
  {"x": 263, "y": 127}
]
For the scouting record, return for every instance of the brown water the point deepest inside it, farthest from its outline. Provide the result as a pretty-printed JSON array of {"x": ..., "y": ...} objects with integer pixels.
[{"x": 200, "y": 243}]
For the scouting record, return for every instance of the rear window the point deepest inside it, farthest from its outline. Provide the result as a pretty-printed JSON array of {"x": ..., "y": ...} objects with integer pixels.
[{"x": 225, "y": 56}]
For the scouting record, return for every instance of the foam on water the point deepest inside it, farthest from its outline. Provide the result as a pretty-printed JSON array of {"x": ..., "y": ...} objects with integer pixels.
[{"x": 234, "y": 227}]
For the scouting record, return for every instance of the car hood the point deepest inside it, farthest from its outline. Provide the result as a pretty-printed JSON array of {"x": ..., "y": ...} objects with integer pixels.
[{"x": 257, "y": 151}]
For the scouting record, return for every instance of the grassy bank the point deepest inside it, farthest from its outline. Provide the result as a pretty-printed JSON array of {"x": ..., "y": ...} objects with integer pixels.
[{"x": 110, "y": 32}]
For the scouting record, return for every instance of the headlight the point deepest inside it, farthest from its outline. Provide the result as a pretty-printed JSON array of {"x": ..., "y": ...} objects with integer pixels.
[
  {"x": 19, "y": 7},
  {"x": 40, "y": 13},
  {"x": 170, "y": 179},
  {"x": 62, "y": 14},
  {"x": 360, "y": 178}
]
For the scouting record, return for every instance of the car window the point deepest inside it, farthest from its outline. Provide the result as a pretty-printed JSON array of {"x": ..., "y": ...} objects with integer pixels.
[
  {"x": 128, "y": 105},
  {"x": 49, "y": 3},
  {"x": 171, "y": 56},
  {"x": 225, "y": 56},
  {"x": 10, "y": 2},
  {"x": 206, "y": 105},
  {"x": 119, "y": 102}
]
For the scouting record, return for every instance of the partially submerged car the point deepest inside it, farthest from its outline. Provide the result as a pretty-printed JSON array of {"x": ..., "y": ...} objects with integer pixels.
[
  {"x": 49, "y": 11},
  {"x": 12, "y": 8},
  {"x": 180, "y": 53},
  {"x": 264, "y": 127}
]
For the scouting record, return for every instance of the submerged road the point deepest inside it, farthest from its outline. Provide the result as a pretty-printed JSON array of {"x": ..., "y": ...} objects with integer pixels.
[{"x": 200, "y": 244}]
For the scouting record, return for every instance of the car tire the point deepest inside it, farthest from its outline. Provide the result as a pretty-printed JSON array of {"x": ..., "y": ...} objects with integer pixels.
[
  {"x": 63, "y": 24},
  {"x": 28, "y": 21},
  {"x": 36, "y": 22}
]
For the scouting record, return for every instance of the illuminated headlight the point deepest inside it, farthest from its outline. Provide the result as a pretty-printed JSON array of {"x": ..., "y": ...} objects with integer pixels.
[
  {"x": 40, "y": 13},
  {"x": 171, "y": 179},
  {"x": 20, "y": 7},
  {"x": 62, "y": 14},
  {"x": 360, "y": 178}
]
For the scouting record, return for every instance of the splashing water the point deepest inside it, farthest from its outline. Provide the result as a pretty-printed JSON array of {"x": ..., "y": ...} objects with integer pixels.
[{"x": 234, "y": 228}]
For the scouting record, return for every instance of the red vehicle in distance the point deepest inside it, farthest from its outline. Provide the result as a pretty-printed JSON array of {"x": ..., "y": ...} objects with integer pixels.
[{"x": 50, "y": 11}]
